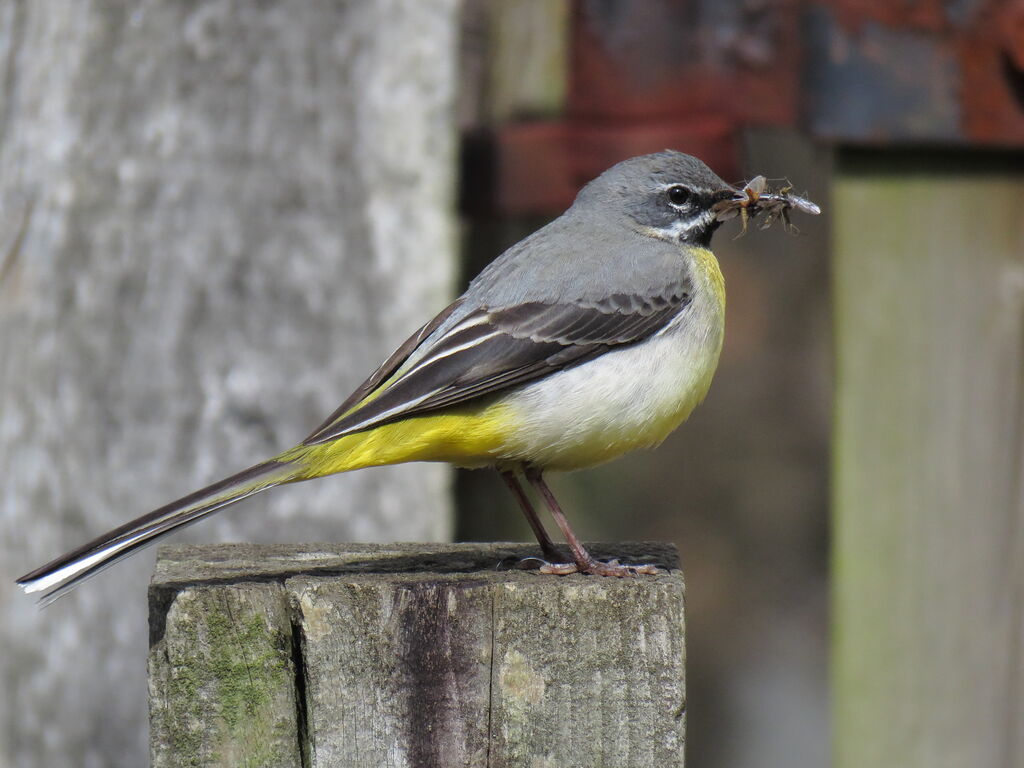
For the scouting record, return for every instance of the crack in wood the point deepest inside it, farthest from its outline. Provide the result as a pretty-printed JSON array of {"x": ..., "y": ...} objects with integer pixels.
[{"x": 298, "y": 660}]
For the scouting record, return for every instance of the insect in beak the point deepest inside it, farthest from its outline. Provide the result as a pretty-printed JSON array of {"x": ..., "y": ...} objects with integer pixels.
[{"x": 757, "y": 198}]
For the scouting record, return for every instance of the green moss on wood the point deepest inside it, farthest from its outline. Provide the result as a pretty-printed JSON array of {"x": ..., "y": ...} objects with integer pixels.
[
  {"x": 230, "y": 699},
  {"x": 245, "y": 665}
]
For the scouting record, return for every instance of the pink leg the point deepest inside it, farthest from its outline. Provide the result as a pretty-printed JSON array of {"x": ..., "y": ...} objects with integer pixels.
[
  {"x": 546, "y": 545},
  {"x": 584, "y": 562}
]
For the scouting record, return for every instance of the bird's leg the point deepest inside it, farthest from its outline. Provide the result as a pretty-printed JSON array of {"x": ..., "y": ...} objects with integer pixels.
[
  {"x": 546, "y": 545},
  {"x": 584, "y": 562}
]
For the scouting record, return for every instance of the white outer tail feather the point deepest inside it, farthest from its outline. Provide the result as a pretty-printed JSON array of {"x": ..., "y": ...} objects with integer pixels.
[{"x": 60, "y": 576}]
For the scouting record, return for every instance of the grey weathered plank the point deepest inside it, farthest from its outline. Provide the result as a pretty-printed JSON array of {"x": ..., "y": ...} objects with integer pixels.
[
  {"x": 529, "y": 55},
  {"x": 231, "y": 214},
  {"x": 929, "y": 464},
  {"x": 445, "y": 655}
]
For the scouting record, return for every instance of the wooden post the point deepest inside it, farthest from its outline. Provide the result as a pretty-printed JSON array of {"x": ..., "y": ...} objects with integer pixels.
[
  {"x": 216, "y": 219},
  {"x": 412, "y": 655},
  {"x": 929, "y": 465}
]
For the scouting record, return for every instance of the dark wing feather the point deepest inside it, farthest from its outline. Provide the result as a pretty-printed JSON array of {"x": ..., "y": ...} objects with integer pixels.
[{"x": 490, "y": 350}]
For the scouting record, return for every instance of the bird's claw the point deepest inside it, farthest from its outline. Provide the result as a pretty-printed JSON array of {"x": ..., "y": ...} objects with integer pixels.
[
  {"x": 531, "y": 564},
  {"x": 558, "y": 569},
  {"x": 598, "y": 568}
]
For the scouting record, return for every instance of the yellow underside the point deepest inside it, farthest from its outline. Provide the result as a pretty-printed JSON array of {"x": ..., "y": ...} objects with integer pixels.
[
  {"x": 459, "y": 437},
  {"x": 464, "y": 436},
  {"x": 706, "y": 264}
]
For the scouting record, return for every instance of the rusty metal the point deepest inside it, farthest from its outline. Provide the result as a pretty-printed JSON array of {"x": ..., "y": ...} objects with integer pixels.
[
  {"x": 869, "y": 82},
  {"x": 650, "y": 74},
  {"x": 540, "y": 166}
]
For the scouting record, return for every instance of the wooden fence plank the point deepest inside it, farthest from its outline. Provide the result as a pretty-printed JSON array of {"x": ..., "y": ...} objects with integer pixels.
[{"x": 929, "y": 462}]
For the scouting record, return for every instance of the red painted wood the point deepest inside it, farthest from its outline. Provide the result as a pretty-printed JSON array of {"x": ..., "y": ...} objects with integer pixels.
[
  {"x": 540, "y": 166},
  {"x": 646, "y": 75}
]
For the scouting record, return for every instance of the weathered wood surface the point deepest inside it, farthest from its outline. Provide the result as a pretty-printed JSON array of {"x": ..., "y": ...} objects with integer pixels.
[
  {"x": 412, "y": 655},
  {"x": 528, "y": 58},
  {"x": 514, "y": 60},
  {"x": 929, "y": 464},
  {"x": 232, "y": 213}
]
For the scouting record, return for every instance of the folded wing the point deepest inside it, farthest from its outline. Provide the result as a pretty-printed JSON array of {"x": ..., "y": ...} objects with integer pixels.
[{"x": 490, "y": 350}]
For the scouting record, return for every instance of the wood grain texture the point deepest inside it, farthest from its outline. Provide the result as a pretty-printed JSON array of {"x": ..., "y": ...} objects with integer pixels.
[
  {"x": 588, "y": 672},
  {"x": 440, "y": 655},
  {"x": 397, "y": 668},
  {"x": 236, "y": 212},
  {"x": 929, "y": 463}
]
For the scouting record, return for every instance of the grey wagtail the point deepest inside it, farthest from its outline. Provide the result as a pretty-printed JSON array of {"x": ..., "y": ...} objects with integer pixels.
[{"x": 596, "y": 335}]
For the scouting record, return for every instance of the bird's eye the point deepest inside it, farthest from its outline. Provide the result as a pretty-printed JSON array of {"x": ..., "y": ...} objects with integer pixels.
[{"x": 678, "y": 195}]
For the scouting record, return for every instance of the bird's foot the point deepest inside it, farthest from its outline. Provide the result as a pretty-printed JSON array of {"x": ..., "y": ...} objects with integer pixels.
[
  {"x": 598, "y": 568},
  {"x": 549, "y": 555},
  {"x": 530, "y": 564}
]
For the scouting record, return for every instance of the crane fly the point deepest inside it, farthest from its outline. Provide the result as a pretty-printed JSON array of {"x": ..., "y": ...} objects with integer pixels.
[{"x": 757, "y": 198}]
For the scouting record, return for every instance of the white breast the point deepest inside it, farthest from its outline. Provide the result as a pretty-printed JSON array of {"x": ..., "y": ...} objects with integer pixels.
[{"x": 628, "y": 398}]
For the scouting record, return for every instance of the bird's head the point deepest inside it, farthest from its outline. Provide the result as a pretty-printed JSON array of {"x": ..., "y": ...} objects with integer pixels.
[{"x": 668, "y": 195}]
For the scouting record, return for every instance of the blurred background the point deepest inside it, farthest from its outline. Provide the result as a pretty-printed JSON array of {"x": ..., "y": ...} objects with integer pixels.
[{"x": 216, "y": 218}]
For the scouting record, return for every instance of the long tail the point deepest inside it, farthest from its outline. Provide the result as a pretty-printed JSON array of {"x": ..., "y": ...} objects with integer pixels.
[{"x": 60, "y": 576}]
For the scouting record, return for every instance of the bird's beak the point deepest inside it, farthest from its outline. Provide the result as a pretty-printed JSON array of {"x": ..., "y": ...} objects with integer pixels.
[{"x": 728, "y": 203}]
